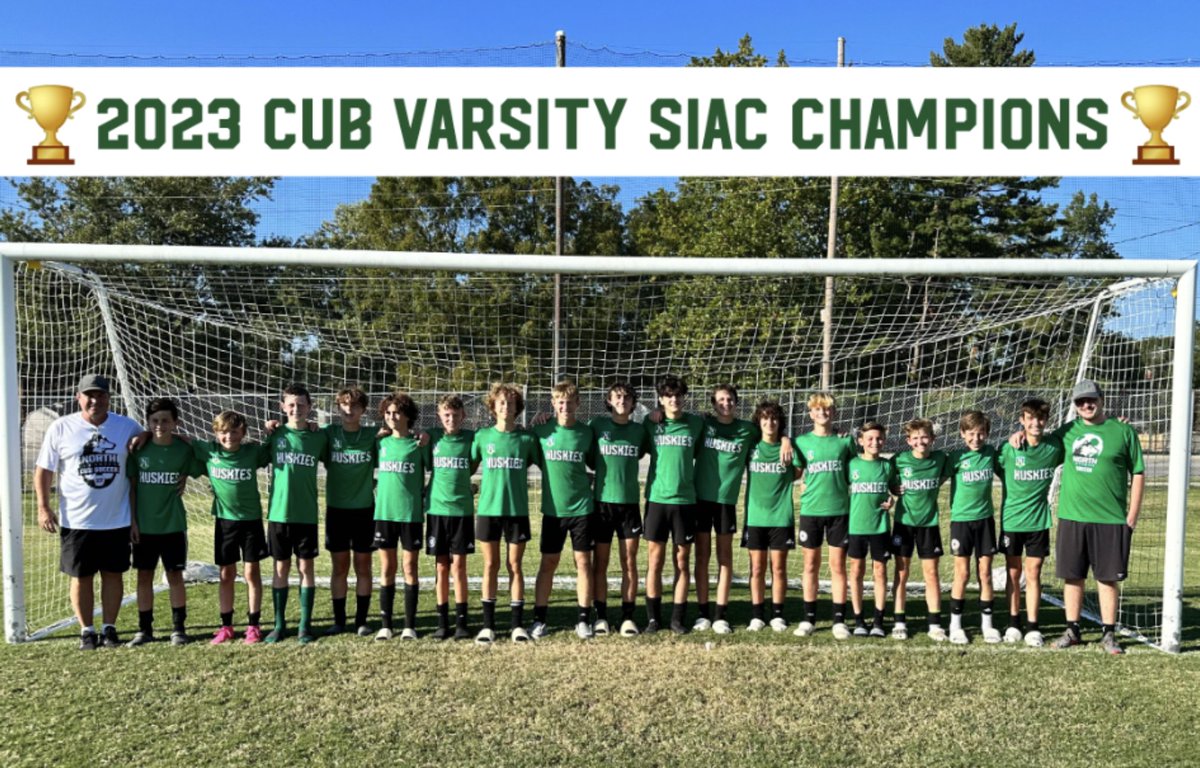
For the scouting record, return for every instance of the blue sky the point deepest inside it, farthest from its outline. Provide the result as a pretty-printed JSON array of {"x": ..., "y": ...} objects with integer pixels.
[{"x": 1156, "y": 219}]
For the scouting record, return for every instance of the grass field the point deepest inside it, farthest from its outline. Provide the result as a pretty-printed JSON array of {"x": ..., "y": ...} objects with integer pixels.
[{"x": 757, "y": 699}]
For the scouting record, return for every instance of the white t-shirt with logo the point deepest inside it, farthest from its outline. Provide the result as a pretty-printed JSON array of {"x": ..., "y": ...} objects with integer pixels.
[{"x": 93, "y": 490}]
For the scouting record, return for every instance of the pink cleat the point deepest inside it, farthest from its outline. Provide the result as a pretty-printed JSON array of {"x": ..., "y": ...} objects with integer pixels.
[
  {"x": 223, "y": 635},
  {"x": 253, "y": 635}
]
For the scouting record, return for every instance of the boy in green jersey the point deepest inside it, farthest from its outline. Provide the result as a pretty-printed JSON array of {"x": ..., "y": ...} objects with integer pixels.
[
  {"x": 565, "y": 453},
  {"x": 872, "y": 481},
  {"x": 232, "y": 465},
  {"x": 620, "y": 445},
  {"x": 1098, "y": 508},
  {"x": 770, "y": 523},
  {"x": 921, "y": 472},
  {"x": 157, "y": 472},
  {"x": 296, "y": 451},
  {"x": 1027, "y": 473},
  {"x": 399, "y": 510},
  {"x": 972, "y": 523},
  {"x": 350, "y": 508},
  {"x": 450, "y": 508},
  {"x": 823, "y": 456},
  {"x": 671, "y": 500},
  {"x": 504, "y": 453}
]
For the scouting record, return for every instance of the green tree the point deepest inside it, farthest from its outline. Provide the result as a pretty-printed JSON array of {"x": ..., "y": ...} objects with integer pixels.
[{"x": 984, "y": 46}]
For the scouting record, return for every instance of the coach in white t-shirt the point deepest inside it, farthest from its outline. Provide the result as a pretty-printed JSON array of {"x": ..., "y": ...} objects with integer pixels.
[{"x": 88, "y": 451}]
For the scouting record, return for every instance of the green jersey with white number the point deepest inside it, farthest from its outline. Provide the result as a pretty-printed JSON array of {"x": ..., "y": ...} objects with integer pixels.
[
  {"x": 350, "y": 468},
  {"x": 619, "y": 448},
  {"x": 824, "y": 460},
  {"x": 449, "y": 492},
  {"x": 673, "y": 444},
  {"x": 971, "y": 474},
  {"x": 401, "y": 480},
  {"x": 870, "y": 483},
  {"x": 158, "y": 470},
  {"x": 920, "y": 480},
  {"x": 769, "y": 481},
  {"x": 504, "y": 459},
  {"x": 295, "y": 454},
  {"x": 564, "y": 455},
  {"x": 721, "y": 460}
]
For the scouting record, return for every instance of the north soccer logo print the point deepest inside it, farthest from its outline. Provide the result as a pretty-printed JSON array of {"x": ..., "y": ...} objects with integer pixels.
[{"x": 98, "y": 464}]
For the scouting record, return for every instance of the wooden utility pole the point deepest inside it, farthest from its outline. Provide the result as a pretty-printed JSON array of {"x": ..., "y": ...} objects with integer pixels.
[{"x": 830, "y": 252}]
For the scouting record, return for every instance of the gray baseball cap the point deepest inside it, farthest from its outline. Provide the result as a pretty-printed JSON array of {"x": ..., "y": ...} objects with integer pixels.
[
  {"x": 1086, "y": 389},
  {"x": 92, "y": 382}
]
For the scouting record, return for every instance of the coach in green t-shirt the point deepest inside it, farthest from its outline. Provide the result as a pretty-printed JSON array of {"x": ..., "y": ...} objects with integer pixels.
[{"x": 1098, "y": 509}]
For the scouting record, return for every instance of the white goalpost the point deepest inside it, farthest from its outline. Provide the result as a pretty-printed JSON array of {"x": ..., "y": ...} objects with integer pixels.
[{"x": 220, "y": 328}]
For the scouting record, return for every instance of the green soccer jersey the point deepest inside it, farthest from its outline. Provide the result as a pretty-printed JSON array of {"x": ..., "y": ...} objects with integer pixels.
[
  {"x": 721, "y": 460},
  {"x": 233, "y": 476},
  {"x": 564, "y": 454},
  {"x": 618, "y": 449},
  {"x": 295, "y": 454},
  {"x": 504, "y": 459},
  {"x": 401, "y": 482},
  {"x": 824, "y": 461},
  {"x": 971, "y": 474},
  {"x": 673, "y": 444},
  {"x": 919, "y": 480},
  {"x": 158, "y": 471},
  {"x": 350, "y": 468},
  {"x": 1026, "y": 475},
  {"x": 870, "y": 485},
  {"x": 769, "y": 488},
  {"x": 1098, "y": 462},
  {"x": 449, "y": 492}
]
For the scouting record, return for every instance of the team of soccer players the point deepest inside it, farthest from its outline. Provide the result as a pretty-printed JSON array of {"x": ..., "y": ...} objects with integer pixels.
[{"x": 396, "y": 488}]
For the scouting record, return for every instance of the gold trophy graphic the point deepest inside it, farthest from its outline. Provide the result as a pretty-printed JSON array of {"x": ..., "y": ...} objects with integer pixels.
[
  {"x": 1156, "y": 106},
  {"x": 51, "y": 105}
]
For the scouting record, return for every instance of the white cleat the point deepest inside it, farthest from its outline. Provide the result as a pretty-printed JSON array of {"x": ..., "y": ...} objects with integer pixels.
[
  {"x": 702, "y": 625},
  {"x": 722, "y": 627},
  {"x": 959, "y": 637},
  {"x": 485, "y": 637},
  {"x": 841, "y": 631},
  {"x": 991, "y": 635},
  {"x": 756, "y": 625},
  {"x": 803, "y": 629},
  {"x": 583, "y": 630},
  {"x": 1034, "y": 639},
  {"x": 900, "y": 632},
  {"x": 778, "y": 624},
  {"x": 600, "y": 627},
  {"x": 937, "y": 633},
  {"x": 1012, "y": 635}
]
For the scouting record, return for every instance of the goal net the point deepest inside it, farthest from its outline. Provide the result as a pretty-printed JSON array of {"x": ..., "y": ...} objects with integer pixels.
[{"x": 909, "y": 339}]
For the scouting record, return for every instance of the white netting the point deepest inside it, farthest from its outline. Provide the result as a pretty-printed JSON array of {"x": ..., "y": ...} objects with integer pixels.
[{"x": 234, "y": 336}]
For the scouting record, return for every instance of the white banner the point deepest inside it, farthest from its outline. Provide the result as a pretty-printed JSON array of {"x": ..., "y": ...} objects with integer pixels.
[{"x": 599, "y": 122}]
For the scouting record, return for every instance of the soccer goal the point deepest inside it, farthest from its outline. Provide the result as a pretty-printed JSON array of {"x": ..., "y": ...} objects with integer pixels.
[{"x": 220, "y": 328}]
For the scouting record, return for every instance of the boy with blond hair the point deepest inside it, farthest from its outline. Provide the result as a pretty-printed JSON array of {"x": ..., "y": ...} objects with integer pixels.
[{"x": 972, "y": 523}]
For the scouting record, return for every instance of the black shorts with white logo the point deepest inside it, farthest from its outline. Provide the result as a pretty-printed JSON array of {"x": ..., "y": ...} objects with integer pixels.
[
  {"x": 625, "y": 520},
  {"x": 713, "y": 517},
  {"x": 287, "y": 539},
  {"x": 1032, "y": 543},
  {"x": 170, "y": 548},
  {"x": 1103, "y": 547},
  {"x": 556, "y": 529},
  {"x": 514, "y": 530},
  {"x": 878, "y": 545},
  {"x": 235, "y": 540},
  {"x": 450, "y": 535},
  {"x": 814, "y": 531},
  {"x": 350, "y": 529},
  {"x": 390, "y": 534},
  {"x": 674, "y": 521},
  {"x": 927, "y": 540},
  {"x": 84, "y": 551},
  {"x": 761, "y": 537},
  {"x": 973, "y": 537}
]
